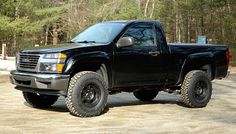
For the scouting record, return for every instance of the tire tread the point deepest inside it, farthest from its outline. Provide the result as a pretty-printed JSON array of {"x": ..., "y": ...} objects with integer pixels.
[{"x": 185, "y": 93}]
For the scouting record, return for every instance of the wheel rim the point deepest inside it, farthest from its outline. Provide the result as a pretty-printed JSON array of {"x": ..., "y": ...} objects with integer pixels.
[
  {"x": 201, "y": 91},
  {"x": 90, "y": 95}
]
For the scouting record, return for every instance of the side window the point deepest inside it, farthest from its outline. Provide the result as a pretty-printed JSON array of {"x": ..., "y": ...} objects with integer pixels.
[{"x": 143, "y": 34}]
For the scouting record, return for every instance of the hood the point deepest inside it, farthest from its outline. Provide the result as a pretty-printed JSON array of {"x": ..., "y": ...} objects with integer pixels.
[{"x": 60, "y": 48}]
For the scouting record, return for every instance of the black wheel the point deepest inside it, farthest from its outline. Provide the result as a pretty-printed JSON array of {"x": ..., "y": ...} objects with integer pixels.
[
  {"x": 39, "y": 100},
  {"x": 87, "y": 94},
  {"x": 146, "y": 95},
  {"x": 196, "y": 89}
]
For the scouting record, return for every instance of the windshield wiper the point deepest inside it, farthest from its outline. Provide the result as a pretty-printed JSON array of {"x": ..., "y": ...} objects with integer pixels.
[{"x": 85, "y": 41}]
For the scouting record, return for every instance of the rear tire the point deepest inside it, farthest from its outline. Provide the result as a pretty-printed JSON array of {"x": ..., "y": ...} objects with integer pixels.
[
  {"x": 87, "y": 94},
  {"x": 196, "y": 89},
  {"x": 39, "y": 100},
  {"x": 145, "y": 95}
]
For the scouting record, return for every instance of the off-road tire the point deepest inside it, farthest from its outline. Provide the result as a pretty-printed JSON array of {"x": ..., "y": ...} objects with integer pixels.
[
  {"x": 145, "y": 95},
  {"x": 39, "y": 100},
  {"x": 191, "y": 85},
  {"x": 79, "y": 84}
]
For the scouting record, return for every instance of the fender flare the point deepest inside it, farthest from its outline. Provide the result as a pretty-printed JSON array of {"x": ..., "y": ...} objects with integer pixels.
[
  {"x": 197, "y": 61},
  {"x": 87, "y": 59}
]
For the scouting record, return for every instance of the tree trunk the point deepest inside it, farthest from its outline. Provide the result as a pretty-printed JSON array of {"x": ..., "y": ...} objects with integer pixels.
[
  {"x": 14, "y": 42},
  {"x": 186, "y": 28},
  {"x": 196, "y": 29},
  {"x": 177, "y": 22},
  {"x": 223, "y": 33},
  {"x": 55, "y": 34},
  {"x": 178, "y": 30},
  {"x": 139, "y": 4},
  {"x": 15, "y": 48},
  {"x": 146, "y": 7},
  {"x": 153, "y": 7},
  {"x": 202, "y": 31},
  {"x": 4, "y": 51},
  {"x": 189, "y": 29},
  {"x": 46, "y": 36}
]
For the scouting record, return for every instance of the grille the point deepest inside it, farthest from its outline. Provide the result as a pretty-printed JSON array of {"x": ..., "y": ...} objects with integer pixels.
[{"x": 28, "y": 62}]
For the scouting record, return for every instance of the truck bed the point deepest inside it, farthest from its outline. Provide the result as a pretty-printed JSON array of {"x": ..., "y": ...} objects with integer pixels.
[{"x": 181, "y": 52}]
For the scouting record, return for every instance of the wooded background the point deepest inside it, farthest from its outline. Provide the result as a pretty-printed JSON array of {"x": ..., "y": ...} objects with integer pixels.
[{"x": 24, "y": 23}]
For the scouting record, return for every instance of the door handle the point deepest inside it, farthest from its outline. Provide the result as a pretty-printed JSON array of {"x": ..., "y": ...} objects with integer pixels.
[{"x": 154, "y": 53}]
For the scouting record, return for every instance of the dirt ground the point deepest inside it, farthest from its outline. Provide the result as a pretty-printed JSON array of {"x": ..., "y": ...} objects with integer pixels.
[{"x": 124, "y": 114}]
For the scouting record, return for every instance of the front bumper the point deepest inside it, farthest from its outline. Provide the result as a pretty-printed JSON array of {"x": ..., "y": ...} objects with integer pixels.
[{"x": 33, "y": 82}]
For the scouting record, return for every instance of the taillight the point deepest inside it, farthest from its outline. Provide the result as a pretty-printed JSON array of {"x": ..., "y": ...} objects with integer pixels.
[{"x": 227, "y": 56}]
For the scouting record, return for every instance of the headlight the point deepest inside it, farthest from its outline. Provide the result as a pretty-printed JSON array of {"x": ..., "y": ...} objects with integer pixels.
[
  {"x": 52, "y": 63},
  {"x": 54, "y": 56}
]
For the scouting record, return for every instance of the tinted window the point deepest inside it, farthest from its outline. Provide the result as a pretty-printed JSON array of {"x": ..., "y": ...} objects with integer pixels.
[{"x": 143, "y": 34}]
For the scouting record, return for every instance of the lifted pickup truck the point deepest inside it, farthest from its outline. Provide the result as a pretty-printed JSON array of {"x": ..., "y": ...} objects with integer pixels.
[{"x": 111, "y": 57}]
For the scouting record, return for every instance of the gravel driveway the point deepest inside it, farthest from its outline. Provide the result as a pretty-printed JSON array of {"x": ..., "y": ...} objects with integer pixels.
[{"x": 124, "y": 114}]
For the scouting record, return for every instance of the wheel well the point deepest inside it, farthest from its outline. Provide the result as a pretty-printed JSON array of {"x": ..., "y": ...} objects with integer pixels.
[
  {"x": 208, "y": 68},
  {"x": 85, "y": 67},
  {"x": 99, "y": 67}
]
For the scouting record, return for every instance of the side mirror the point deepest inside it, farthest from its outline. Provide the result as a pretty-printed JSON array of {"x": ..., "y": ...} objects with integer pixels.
[{"x": 125, "y": 42}]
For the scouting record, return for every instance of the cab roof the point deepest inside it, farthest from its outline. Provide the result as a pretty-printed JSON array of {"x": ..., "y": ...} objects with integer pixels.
[{"x": 132, "y": 21}]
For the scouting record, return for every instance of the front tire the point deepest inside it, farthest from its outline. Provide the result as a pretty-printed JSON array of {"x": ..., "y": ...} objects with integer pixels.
[
  {"x": 39, "y": 100},
  {"x": 196, "y": 89},
  {"x": 87, "y": 94},
  {"x": 146, "y": 95}
]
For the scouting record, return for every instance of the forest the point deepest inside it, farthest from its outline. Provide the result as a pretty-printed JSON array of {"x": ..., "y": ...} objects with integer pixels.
[{"x": 26, "y": 23}]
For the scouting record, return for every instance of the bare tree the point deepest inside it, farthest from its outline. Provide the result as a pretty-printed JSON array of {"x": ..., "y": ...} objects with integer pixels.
[{"x": 146, "y": 8}]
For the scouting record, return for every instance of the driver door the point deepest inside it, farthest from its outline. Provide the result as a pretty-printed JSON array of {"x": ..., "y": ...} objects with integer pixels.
[{"x": 141, "y": 63}]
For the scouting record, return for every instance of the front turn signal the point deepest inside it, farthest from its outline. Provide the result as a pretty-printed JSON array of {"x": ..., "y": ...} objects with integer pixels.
[{"x": 60, "y": 67}]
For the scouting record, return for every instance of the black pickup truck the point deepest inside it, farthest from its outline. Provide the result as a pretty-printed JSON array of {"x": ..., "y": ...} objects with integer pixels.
[{"x": 115, "y": 56}]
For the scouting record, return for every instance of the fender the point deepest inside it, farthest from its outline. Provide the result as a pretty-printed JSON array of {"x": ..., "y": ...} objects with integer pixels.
[
  {"x": 88, "y": 57},
  {"x": 90, "y": 61},
  {"x": 197, "y": 61}
]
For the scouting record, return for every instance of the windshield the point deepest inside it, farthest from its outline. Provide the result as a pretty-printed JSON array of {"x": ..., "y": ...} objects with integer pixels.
[{"x": 99, "y": 33}]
